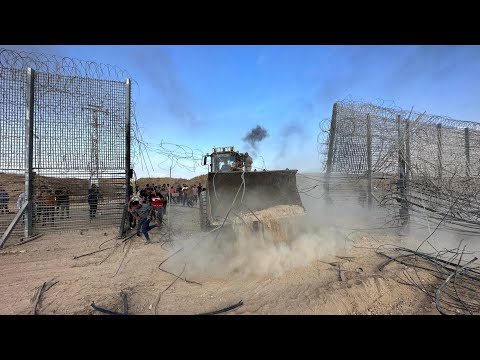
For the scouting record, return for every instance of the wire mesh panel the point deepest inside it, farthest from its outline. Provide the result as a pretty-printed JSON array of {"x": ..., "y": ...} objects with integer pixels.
[
  {"x": 439, "y": 157},
  {"x": 12, "y": 144},
  {"x": 79, "y": 157},
  {"x": 474, "y": 152},
  {"x": 79, "y": 142}
]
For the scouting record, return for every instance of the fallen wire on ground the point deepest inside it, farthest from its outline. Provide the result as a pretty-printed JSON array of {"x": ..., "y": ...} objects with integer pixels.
[
  {"x": 93, "y": 252},
  {"x": 123, "y": 295},
  {"x": 105, "y": 311},
  {"x": 168, "y": 287},
  {"x": 185, "y": 278},
  {"x": 127, "y": 243},
  {"x": 38, "y": 294},
  {"x": 111, "y": 247},
  {"x": 224, "y": 310},
  {"x": 448, "y": 278}
]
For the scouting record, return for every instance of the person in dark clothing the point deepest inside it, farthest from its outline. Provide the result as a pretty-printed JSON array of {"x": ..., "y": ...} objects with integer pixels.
[
  {"x": 93, "y": 195},
  {"x": 4, "y": 198},
  {"x": 63, "y": 202},
  {"x": 143, "y": 194},
  {"x": 180, "y": 194}
]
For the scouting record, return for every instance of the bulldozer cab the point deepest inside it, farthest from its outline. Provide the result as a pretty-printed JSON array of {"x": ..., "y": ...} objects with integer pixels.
[{"x": 223, "y": 161}]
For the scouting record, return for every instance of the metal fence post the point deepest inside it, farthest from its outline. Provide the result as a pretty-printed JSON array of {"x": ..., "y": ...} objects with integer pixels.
[
  {"x": 408, "y": 168},
  {"x": 369, "y": 160},
  {"x": 331, "y": 144},
  {"x": 128, "y": 85},
  {"x": 401, "y": 183},
  {"x": 29, "y": 125},
  {"x": 467, "y": 150},
  {"x": 439, "y": 145},
  {"x": 401, "y": 152}
]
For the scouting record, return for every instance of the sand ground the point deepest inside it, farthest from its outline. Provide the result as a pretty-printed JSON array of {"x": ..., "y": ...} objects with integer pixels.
[{"x": 132, "y": 267}]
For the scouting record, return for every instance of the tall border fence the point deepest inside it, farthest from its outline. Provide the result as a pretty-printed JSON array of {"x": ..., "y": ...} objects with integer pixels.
[
  {"x": 415, "y": 161},
  {"x": 65, "y": 144}
]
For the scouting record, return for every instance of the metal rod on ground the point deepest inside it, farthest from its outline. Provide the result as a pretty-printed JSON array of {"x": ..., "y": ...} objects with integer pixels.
[
  {"x": 105, "y": 311},
  {"x": 94, "y": 252},
  {"x": 37, "y": 298},
  {"x": 331, "y": 147},
  {"x": 29, "y": 126},
  {"x": 123, "y": 295},
  {"x": 369, "y": 161},
  {"x": 439, "y": 290},
  {"x": 23, "y": 240},
  {"x": 224, "y": 310}
]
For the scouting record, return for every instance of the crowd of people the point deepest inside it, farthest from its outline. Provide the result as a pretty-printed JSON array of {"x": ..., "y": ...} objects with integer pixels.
[
  {"x": 50, "y": 204},
  {"x": 143, "y": 207},
  {"x": 175, "y": 194}
]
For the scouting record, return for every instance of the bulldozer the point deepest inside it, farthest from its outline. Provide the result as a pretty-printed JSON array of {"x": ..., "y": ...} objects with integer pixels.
[{"x": 259, "y": 200}]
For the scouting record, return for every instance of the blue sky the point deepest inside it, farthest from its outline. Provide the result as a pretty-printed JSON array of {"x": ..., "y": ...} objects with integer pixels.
[{"x": 205, "y": 96}]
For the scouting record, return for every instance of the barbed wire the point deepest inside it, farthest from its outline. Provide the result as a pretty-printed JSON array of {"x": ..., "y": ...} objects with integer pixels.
[{"x": 58, "y": 65}]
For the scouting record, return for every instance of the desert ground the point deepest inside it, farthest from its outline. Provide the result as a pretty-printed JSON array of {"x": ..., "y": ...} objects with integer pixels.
[{"x": 318, "y": 276}]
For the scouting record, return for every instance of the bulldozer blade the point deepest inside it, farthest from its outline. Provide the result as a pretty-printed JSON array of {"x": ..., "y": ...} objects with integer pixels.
[{"x": 230, "y": 193}]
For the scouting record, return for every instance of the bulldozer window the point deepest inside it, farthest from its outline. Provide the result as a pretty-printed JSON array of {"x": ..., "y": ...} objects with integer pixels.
[{"x": 223, "y": 162}]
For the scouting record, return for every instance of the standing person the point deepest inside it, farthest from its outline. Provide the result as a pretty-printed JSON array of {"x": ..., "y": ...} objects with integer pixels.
[
  {"x": 49, "y": 203},
  {"x": 132, "y": 218},
  {"x": 4, "y": 198},
  {"x": 180, "y": 194},
  {"x": 189, "y": 195},
  {"x": 57, "y": 205},
  {"x": 195, "y": 194},
  {"x": 93, "y": 194},
  {"x": 63, "y": 202},
  {"x": 185, "y": 195},
  {"x": 20, "y": 202},
  {"x": 143, "y": 194},
  {"x": 175, "y": 197},
  {"x": 248, "y": 162},
  {"x": 38, "y": 205},
  {"x": 200, "y": 188},
  {"x": 142, "y": 213}
]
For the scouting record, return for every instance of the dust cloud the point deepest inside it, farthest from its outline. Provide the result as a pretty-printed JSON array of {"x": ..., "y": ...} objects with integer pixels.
[{"x": 287, "y": 243}]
